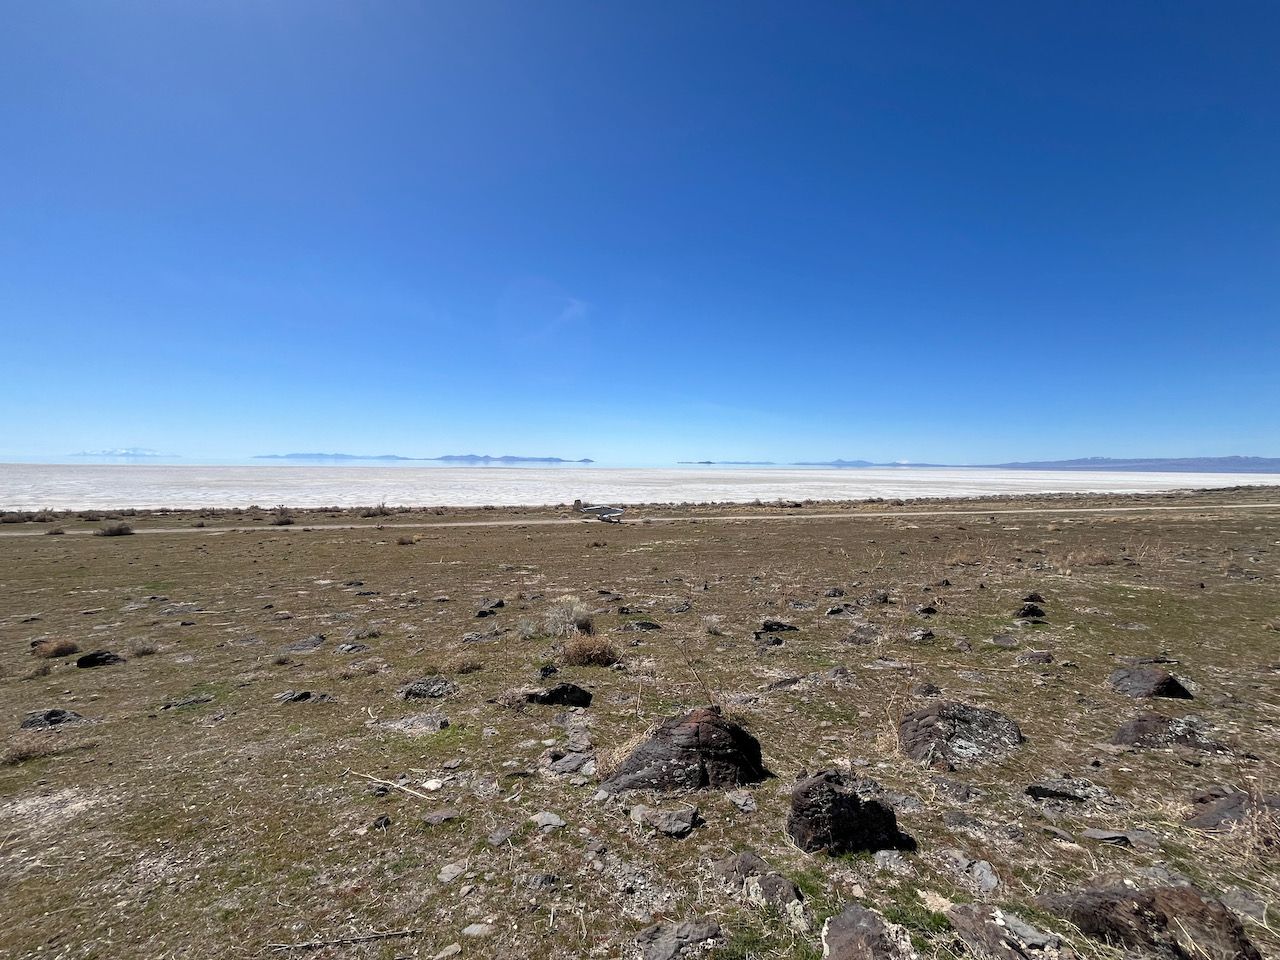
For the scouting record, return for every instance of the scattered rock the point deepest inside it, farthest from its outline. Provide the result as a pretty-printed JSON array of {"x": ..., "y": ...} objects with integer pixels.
[
  {"x": 1139, "y": 839},
  {"x": 306, "y": 644},
  {"x": 478, "y": 930},
  {"x": 547, "y": 822},
  {"x": 561, "y": 695},
  {"x": 451, "y": 872},
  {"x": 428, "y": 688},
  {"x": 1155, "y": 730},
  {"x": 416, "y": 724},
  {"x": 951, "y": 734},
  {"x": 993, "y": 934},
  {"x": 1068, "y": 790},
  {"x": 1036, "y": 657},
  {"x": 827, "y": 814},
  {"x": 758, "y": 883},
  {"x": 638, "y": 626},
  {"x": 695, "y": 751},
  {"x": 193, "y": 700},
  {"x": 302, "y": 696},
  {"x": 1148, "y": 682},
  {"x": 52, "y": 717},
  {"x": 857, "y": 933},
  {"x": 666, "y": 941},
  {"x": 776, "y": 626},
  {"x": 443, "y": 815},
  {"x": 979, "y": 873},
  {"x": 673, "y": 823},
  {"x": 99, "y": 658},
  {"x": 1029, "y": 611},
  {"x": 1222, "y": 808},
  {"x": 1006, "y": 641},
  {"x": 1170, "y": 922},
  {"x": 743, "y": 800}
]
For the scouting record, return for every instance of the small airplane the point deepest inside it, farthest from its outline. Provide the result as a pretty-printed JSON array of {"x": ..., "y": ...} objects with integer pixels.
[{"x": 602, "y": 513}]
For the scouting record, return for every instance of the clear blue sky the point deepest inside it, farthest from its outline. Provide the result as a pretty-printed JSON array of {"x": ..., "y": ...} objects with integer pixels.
[{"x": 642, "y": 232}]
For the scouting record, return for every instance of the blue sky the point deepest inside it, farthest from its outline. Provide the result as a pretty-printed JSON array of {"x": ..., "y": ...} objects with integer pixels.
[{"x": 641, "y": 232}]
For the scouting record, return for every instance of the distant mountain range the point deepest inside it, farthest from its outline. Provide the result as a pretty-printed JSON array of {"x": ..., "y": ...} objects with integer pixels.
[
  {"x": 449, "y": 458},
  {"x": 121, "y": 452},
  {"x": 1155, "y": 464},
  {"x": 1141, "y": 464}
]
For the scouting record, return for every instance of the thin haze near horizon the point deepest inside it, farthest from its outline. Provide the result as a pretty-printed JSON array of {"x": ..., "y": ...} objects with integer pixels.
[{"x": 925, "y": 231}]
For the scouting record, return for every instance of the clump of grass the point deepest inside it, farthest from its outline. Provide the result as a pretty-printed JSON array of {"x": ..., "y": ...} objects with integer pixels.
[
  {"x": 589, "y": 651},
  {"x": 34, "y": 745},
  {"x": 50, "y": 649},
  {"x": 711, "y": 623},
  {"x": 527, "y": 629},
  {"x": 35, "y": 673},
  {"x": 114, "y": 530},
  {"x": 281, "y": 517},
  {"x": 1089, "y": 558},
  {"x": 143, "y": 648},
  {"x": 199, "y": 523},
  {"x": 55, "y": 532},
  {"x": 406, "y": 541},
  {"x": 381, "y": 510},
  {"x": 568, "y": 616}
]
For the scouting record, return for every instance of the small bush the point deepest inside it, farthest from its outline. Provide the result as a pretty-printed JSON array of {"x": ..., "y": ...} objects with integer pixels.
[
  {"x": 114, "y": 530},
  {"x": 49, "y": 649},
  {"x": 381, "y": 510},
  {"x": 406, "y": 541},
  {"x": 143, "y": 648},
  {"x": 55, "y": 532},
  {"x": 526, "y": 629},
  {"x": 15, "y": 517},
  {"x": 281, "y": 517},
  {"x": 35, "y": 673},
  {"x": 588, "y": 651},
  {"x": 568, "y": 616},
  {"x": 199, "y": 523},
  {"x": 711, "y": 623}
]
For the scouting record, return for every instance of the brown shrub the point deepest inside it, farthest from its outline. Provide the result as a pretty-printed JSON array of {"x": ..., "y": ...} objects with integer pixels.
[
  {"x": 568, "y": 616},
  {"x": 114, "y": 530},
  {"x": 589, "y": 651},
  {"x": 143, "y": 648},
  {"x": 55, "y": 648}
]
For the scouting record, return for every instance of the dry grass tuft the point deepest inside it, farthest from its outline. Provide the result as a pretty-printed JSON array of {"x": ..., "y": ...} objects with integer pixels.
[
  {"x": 588, "y": 651},
  {"x": 406, "y": 541},
  {"x": 49, "y": 649},
  {"x": 114, "y": 530},
  {"x": 35, "y": 745},
  {"x": 143, "y": 648},
  {"x": 568, "y": 616},
  {"x": 1089, "y": 558},
  {"x": 712, "y": 624}
]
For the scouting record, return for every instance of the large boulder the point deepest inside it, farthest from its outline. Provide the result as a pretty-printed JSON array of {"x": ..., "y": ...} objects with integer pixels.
[
  {"x": 1148, "y": 682},
  {"x": 52, "y": 717},
  {"x": 828, "y": 814},
  {"x": 1155, "y": 730},
  {"x": 951, "y": 734},
  {"x": 856, "y": 933},
  {"x": 696, "y": 751},
  {"x": 1169, "y": 922}
]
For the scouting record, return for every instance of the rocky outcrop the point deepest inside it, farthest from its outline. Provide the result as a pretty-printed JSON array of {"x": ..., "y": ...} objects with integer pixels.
[
  {"x": 427, "y": 688},
  {"x": 1169, "y": 922},
  {"x": 1223, "y": 808},
  {"x": 827, "y": 814},
  {"x": 951, "y": 734},
  {"x": 695, "y": 751},
  {"x": 53, "y": 717},
  {"x": 760, "y": 884}
]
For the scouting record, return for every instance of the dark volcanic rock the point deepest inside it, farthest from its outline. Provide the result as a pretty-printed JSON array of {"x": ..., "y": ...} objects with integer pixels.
[
  {"x": 1148, "y": 682},
  {"x": 1174, "y": 922},
  {"x": 302, "y": 696},
  {"x": 666, "y": 941},
  {"x": 99, "y": 658},
  {"x": 828, "y": 814},
  {"x": 1029, "y": 611},
  {"x": 561, "y": 695},
  {"x": 951, "y": 734},
  {"x": 1221, "y": 808},
  {"x": 53, "y": 717},
  {"x": 1155, "y": 730},
  {"x": 776, "y": 626},
  {"x": 995, "y": 934},
  {"x": 761, "y": 884},
  {"x": 857, "y": 933},
  {"x": 691, "y": 752},
  {"x": 637, "y": 626},
  {"x": 427, "y": 688}
]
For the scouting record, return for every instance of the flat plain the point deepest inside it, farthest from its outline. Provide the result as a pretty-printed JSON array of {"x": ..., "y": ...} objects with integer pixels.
[{"x": 240, "y": 784}]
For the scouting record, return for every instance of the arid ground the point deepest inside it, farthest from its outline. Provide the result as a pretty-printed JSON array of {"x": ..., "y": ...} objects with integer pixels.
[{"x": 188, "y": 809}]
